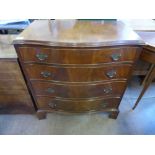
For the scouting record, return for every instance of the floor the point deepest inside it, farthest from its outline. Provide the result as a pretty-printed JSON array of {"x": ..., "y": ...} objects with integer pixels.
[{"x": 139, "y": 121}]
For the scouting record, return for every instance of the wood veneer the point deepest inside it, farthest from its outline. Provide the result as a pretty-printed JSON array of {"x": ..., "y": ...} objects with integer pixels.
[
  {"x": 73, "y": 55},
  {"x": 80, "y": 106},
  {"x": 78, "y": 90},
  {"x": 78, "y": 56},
  {"x": 14, "y": 95},
  {"x": 77, "y": 73}
]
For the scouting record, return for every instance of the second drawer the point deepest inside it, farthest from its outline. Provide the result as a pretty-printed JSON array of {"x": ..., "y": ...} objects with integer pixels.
[
  {"x": 78, "y": 74},
  {"x": 77, "y": 90}
]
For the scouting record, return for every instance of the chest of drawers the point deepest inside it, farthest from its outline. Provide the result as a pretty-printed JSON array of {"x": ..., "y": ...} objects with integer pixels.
[{"x": 77, "y": 69}]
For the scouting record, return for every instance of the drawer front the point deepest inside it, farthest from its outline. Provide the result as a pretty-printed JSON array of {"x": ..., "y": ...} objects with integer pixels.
[
  {"x": 47, "y": 103},
  {"x": 79, "y": 90},
  {"x": 77, "y": 74},
  {"x": 77, "y": 56}
]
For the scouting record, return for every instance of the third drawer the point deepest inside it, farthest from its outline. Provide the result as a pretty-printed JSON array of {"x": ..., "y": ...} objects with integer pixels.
[{"x": 115, "y": 88}]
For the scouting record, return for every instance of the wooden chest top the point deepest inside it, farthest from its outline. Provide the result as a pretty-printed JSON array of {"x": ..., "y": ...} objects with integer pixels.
[{"x": 76, "y": 33}]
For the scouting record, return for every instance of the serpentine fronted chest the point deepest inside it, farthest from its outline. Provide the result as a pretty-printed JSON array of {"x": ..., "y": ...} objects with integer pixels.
[{"x": 77, "y": 66}]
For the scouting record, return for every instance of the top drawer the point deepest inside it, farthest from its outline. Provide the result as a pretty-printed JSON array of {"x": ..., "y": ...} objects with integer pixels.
[{"x": 77, "y": 56}]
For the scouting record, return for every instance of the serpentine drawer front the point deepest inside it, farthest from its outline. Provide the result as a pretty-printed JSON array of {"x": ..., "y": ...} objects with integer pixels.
[
  {"x": 76, "y": 73},
  {"x": 80, "y": 68},
  {"x": 75, "y": 106},
  {"x": 72, "y": 90},
  {"x": 89, "y": 56}
]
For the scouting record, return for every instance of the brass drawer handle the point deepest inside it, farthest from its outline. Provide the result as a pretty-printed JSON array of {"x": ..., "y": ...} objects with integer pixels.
[
  {"x": 52, "y": 105},
  {"x": 111, "y": 73},
  {"x": 46, "y": 74},
  {"x": 116, "y": 56},
  {"x": 107, "y": 90},
  {"x": 50, "y": 90},
  {"x": 41, "y": 56}
]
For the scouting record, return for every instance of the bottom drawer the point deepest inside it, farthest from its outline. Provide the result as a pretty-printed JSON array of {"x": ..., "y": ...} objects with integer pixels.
[
  {"x": 75, "y": 106},
  {"x": 50, "y": 89}
]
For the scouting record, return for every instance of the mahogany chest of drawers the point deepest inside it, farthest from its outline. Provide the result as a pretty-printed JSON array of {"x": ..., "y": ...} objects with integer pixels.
[{"x": 77, "y": 66}]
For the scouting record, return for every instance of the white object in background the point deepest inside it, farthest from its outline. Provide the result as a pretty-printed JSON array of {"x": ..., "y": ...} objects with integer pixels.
[
  {"x": 140, "y": 24},
  {"x": 5, "y": 22}
]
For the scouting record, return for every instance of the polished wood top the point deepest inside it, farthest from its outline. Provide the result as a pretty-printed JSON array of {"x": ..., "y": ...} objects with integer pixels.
[
  {"x": 78, "y": 33},
  {"x": 6, "y": 48}
]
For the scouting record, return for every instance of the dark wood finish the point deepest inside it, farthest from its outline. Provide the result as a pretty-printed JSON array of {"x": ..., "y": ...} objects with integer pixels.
[
  {"x": 77, "y": 73},
  {"x": 74, "y": 106},
  {"x": 114, "y": 114},
  {"x": 78, "y": 90},
  {"x": 141, "y": 68},
  {"x": 75, "y": 33},
  {"x": 79, "y": 59},
  {"x": 16, "y": 104},
  {"x": 148, "y": 56},
  {"x": 73, "y": 56},
  {"x": 14, "y": 96},
  {"x": 41, "y": 114}
]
